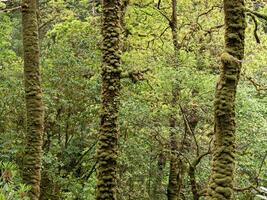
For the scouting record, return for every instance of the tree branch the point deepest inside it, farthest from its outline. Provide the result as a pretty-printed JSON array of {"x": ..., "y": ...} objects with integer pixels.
[
  {"x": 257, "y": 86},
  {"x": 189, "y": 128},
  {"x": 10, "y": 9},
  {"x": 256, "y": 27},
  {"x": 257, "y": 14}
]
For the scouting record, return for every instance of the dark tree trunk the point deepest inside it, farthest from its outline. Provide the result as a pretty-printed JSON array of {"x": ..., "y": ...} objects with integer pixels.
[
  {"x": 109, "y": 130},
  {"x": 158, "y": 193},
  {"x": 221, "y": 182},
  {"x": 33, "y": 95},
  {"x": 173, "y": 187}
]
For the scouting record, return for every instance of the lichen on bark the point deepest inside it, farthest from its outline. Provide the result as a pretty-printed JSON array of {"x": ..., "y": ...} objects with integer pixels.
[
  {"x": 33, "y": 96},
  {"x": 109, "y": 130},
  {"x": 223, "y": 165}
]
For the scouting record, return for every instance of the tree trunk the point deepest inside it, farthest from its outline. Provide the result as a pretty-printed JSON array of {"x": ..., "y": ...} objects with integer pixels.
[
  {"x": 33, "y": 96},
  {"x": 174, "y": 27},
  {"x": 221, "y": 182},
  {"x": 172, "y": 190},
  {"x": 177, "y": 171},
  {"x": 158, "y": 193},
  {"x": 109, "y": 130},
  {"x": 193, "y": 183}
]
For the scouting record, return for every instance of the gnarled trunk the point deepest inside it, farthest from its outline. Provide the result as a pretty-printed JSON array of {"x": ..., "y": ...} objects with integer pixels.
[
  {"x": 109, "y": 130},
  {"x": 221, "y": 182},
  {"x": 33, "y": 95}
]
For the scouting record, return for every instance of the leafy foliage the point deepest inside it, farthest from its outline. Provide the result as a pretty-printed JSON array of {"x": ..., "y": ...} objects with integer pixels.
[{"x": 71, "y": 60}]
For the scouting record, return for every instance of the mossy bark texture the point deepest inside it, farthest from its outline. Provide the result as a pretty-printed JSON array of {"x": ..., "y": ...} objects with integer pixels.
[
  {"x": 173, "y": 186},
  {"x": 172, "y": 189},
  {"x": 173, "y": 25},
  {"x": 33, "y": 94},
  {"x": 176, "y": 172},
  {"x": 109, "y": 131},
  {"x": 221, "y": 183}
]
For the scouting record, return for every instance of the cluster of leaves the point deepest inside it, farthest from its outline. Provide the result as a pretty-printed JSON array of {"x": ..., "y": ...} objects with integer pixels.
[{"x": 11, "y": 187}]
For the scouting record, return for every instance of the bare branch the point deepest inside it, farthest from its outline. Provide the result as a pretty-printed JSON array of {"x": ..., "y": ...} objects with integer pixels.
[
  {"x": 189, "y": 128},
  {"x": 257, "y": 86},
  {"x": 10, "y": 9}
]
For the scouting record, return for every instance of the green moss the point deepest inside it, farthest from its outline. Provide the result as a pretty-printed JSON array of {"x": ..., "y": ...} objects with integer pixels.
[
  {"x": 33, "y": 95},
  {"x": 111, "y": 74},
  {"x": 221, "y": 182}
]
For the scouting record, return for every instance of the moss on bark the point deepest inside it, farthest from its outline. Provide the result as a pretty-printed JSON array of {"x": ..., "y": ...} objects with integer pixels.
[
  {"x": 109, "y": 130},
  {"x": 33, "y": 95},
  {"x": 173, "y": 185},
  {"x": 176, "y": 172},
  {"x": 221, "y": 182}
]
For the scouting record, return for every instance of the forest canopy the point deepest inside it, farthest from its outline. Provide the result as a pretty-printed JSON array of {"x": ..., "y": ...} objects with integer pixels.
[{"x": 133, "y": 99}]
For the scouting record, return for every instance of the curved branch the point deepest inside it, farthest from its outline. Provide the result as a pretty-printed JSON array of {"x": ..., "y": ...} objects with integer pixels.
[
  {"x": 256, "y": 27},
  {"x": 257, "y": 14}
]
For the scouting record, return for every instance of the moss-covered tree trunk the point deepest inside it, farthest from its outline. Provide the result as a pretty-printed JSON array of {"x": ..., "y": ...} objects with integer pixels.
[
  {"x": 172, "y": 189},
  {"x": 221, "y": 183},
  {"x": 109, "y": 130},
  {"x": 174, "y": 28},
  {"x": 33, "y": 95},
  {"x": 176, "y": 172}
]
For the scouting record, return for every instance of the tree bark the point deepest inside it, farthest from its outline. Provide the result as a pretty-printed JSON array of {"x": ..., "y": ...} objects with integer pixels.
[
  {"x": 173, "y": 25},
  {"x": 109, "y": 130},
  {"x": 176, "y": 173},
  {"x": 221, "y": 182},
  {"x": 173, "y": 187},
  {"x": 33, "y": 96},
  {"x": 158, "y": 193}
]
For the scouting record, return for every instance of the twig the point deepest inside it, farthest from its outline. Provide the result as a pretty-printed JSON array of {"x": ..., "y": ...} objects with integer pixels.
[
  {"x": 257, "y": 86},
  {"x": 189, "y": 128},
  {"x": 208, "y": 11},
  {"x": 10, "y": 9},
  {"x": 253, "y": 187}
]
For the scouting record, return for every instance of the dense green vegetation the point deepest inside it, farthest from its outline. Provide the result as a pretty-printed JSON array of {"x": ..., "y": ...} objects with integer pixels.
[{"x": 153, "y": 72}]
